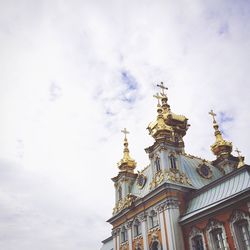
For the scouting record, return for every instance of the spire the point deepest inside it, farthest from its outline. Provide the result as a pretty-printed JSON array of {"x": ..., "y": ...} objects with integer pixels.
[
  {"x": 126, "y": 163},
  {"x": 221, "y": 146},
  {"x": 241, "y": 158},
  {"x": 168, "y": 128}
]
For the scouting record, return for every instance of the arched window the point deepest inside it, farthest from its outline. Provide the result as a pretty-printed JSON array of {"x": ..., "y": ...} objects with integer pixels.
[
  {"x": 157, "y": 164},
  {"x": 242, "y": 233},
  {"x": 172, "y": 162},
  {"x": 197, "y": 243},
  {"x": 196, "y": 239},
  {"x": 120, "y": 193},
  {"x": 137, "y": 228},
  {"x": 124, "y": 234},
  {"x": 155, "y": 245},
  {"x": 153, "y": 220},
  {"x": 217, "y": 235},
  {"x": 240, "y": 229},
  {"x": 218, "y": 239}
]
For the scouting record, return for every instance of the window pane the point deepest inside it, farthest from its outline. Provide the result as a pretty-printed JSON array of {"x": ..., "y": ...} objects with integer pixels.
[
  {"x": 197, "y": 243},
  {"x": 217, "y": 237},
  {"x": 242, "y": 233}
]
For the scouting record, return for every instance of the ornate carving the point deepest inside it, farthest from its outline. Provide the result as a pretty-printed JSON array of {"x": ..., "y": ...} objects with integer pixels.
[
  {"x": 129, "y": 224},
  {"x": 214, "y": 224},
  {"x": 141, "y": 180},
  {"x": 157, "y": 180},
  {"x": 124, "y": 203},
  {"x": 143, "y": 216},
  {"x": 138, "y": 245},
  {"x": 194, "y": 231},
  {"x": 171, "y": 203},
  {"x": 238, "y": 215},
  {"x": 154, "y": 236},
  {"x": 204, "y": 171},
  {"x": 175, "y": 176}
]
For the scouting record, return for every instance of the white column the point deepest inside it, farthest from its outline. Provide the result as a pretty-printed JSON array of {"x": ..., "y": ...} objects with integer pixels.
[
  {"x": 162, "y": 226},
  {"x": 118, "y": 238},
  {"x": 144, "y": 228},
  {"x": 174, "y": 234},
  {"x": 114, "y": 234},
  {"x": 129, "y": 228}
]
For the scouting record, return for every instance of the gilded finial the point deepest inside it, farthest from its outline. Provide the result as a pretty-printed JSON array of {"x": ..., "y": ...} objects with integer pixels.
[
  {"x": 162, "y": 88},
  {"x": 220, "y": 147},
  {"x": 241, "y": 158},
  {"x": 213, "y": 115},
  {"x": 126, "y": 163},
  {"x": 125, "y": 132}
]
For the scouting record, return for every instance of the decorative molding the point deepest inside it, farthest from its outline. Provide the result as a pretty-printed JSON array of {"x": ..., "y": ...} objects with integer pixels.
[
  {"x": 129, "y": 224},
  {"x": 237, "y": 216},
  {"x": 124, "y": 203},
  {"x": 196, "y": 232},
  {"x": 143, "y": 217},
  {"x": 204, "y": 170},
  {"x": 172, "y": 175},
  {"x": 141, "y": 180},
  {"x": 171, "y": 203},
  {"x": 157, "y": 179},
  {"x": 214, "y": 224},
  {"x": 138, "y": 245}
]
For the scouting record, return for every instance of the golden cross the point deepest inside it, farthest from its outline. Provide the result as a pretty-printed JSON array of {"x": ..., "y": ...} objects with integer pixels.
[
  {"x": 158, "y": 97},
  {"x": 162, "y": 88},
  {"x": 125, "y": 132},
  {"x": 238, "y": 151},
  {"x": 213, "y": 115}
]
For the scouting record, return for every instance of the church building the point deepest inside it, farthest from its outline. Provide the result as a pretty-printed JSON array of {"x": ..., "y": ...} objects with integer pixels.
[{"x": 180, "y": 201}]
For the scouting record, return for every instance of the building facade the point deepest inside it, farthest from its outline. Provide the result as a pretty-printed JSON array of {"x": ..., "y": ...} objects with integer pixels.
[{"x": 180, "y": 201}]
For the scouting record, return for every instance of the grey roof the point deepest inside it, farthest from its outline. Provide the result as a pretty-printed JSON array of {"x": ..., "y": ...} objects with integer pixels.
[
  {"x": 224, "y": 189},
  {"x": 187, "y": 164}
]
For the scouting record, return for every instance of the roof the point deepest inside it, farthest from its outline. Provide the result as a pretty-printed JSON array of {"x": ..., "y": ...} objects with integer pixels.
[
  {"x": 188, "y": 165},
  {"x": 223, "y": 189}
]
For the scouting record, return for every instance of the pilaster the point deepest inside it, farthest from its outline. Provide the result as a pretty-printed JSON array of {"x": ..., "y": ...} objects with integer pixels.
[
  {"x": 174, "y": 234},
  {"x": 144, "y": 228},
  {"x": 129, "y": 228},
  {"x": 160, "y": 209}
]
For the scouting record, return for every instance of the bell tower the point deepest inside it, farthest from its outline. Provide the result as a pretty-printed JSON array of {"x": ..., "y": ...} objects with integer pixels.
[
  {"x": 222, "y": 149},
  {"x": 168, "y": 131},
  {"x": 124, "y": 180}
]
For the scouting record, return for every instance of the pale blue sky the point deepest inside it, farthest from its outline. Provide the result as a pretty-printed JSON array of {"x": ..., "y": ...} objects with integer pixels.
[{"x": 74, "y": 73}]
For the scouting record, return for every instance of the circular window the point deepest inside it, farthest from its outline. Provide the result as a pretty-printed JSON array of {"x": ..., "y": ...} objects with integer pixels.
[
  {"x": 141, "y": 180},
  {"x": 204, "y": 171}
]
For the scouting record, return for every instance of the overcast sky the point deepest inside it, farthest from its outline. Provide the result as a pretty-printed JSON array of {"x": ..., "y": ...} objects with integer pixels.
[{"x": 74, "y": 73}]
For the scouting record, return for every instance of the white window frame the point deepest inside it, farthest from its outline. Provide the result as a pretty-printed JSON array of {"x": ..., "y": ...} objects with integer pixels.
[
  {"x": 152, "y": 214},
  {"x": 138, "y": 224},
  {"x": 196, "y": 232},
  {"x": 237, "y": 216},
  {"x": 170, "y": 157},
  {"x": 213, "y": 225},
  {"x": 125, "y": 231}
]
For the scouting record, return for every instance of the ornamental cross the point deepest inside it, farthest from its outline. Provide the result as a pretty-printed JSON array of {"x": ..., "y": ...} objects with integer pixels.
[
  {"x": 238, "y": 151},
  {"x": 125, "y": 132},
  {"x": 212, "y": 114},
  {"x": 158, "y": 97},
  {"x": 162, "y": 88}
]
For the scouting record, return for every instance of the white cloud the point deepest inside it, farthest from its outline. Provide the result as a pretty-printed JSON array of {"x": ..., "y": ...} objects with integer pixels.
[{"x": 64, "y": 102}]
